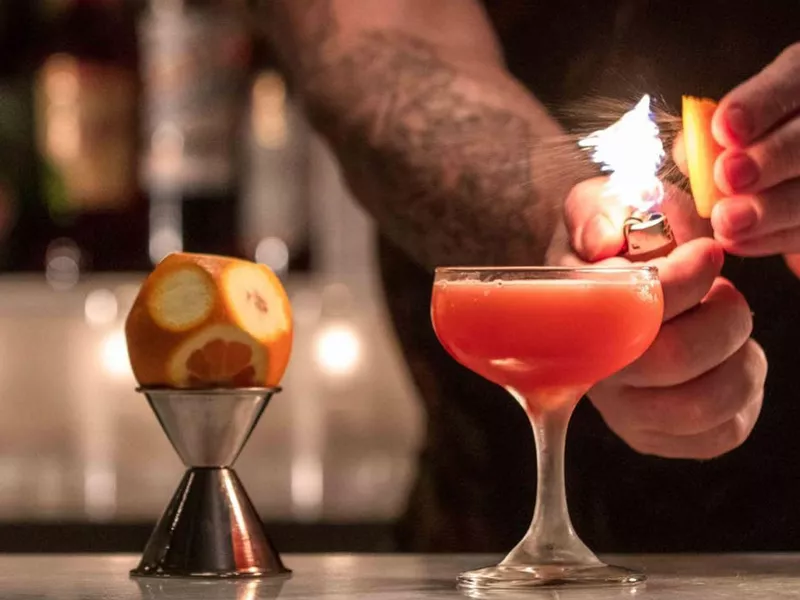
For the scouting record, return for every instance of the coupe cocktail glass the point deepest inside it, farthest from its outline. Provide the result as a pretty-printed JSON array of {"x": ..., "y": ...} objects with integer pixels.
[{"x": 547, "y": 335}]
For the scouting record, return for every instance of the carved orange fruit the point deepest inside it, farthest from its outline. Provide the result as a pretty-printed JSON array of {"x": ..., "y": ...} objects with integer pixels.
[{"x": 209, "y": 321}]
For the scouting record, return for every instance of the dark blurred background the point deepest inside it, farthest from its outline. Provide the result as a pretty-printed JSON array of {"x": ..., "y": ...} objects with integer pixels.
[{"x": 130, "y": 129}]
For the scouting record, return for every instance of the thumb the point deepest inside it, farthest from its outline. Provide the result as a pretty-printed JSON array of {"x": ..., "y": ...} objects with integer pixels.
[{"x": 595, "y": 220}]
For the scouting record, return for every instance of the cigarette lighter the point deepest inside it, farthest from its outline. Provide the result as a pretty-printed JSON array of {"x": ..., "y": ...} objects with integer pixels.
[{"x": 647, "y": 236}]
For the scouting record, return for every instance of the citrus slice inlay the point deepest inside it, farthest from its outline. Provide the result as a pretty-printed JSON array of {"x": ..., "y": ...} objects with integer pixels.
[
  {"x": 218, "y": 356},
  {"x": 260, "y": 310},
  {"x": 221, "y": 363},
  {"x": 181, "y": 299}
]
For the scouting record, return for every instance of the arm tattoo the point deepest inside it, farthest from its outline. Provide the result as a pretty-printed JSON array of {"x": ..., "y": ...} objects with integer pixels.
[{"x": 447, "y": 176}]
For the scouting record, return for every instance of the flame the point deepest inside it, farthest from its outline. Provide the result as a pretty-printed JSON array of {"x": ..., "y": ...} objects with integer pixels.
[{"x": 632, "y": 152}]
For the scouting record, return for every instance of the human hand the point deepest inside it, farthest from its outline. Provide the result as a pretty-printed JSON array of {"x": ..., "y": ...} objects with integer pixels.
[
  {"x": 758, "y": 125},
  {"x": 697, "y": 391},
  {"x": 593, "y": 225}
]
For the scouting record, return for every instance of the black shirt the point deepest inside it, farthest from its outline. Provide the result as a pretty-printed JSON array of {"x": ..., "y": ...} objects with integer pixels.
[{"x": 476, "y": 481}]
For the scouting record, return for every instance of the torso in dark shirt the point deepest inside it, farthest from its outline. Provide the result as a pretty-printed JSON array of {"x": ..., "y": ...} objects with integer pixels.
[{"x": 477, "y": 475}]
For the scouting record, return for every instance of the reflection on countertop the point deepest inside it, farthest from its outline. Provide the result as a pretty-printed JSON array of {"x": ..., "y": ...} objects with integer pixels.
[
  {"x": 399, "y": 577},
  {"x": 78, "y": 443}
]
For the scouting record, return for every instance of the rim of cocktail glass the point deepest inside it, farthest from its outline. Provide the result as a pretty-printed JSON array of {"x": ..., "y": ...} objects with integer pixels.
[{"x": 588, "y": 270}]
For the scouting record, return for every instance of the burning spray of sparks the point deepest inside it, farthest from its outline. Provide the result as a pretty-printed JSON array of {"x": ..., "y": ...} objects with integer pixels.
[{"x": 631, "y": 151}]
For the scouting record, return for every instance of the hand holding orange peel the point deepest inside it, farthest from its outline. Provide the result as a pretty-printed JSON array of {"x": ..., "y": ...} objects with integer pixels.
[
  {"x": 702, "y": 151},
  {"x": 203, "y": 321}
]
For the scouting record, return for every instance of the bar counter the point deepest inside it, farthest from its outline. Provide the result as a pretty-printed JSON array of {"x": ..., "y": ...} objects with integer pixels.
[{"x": 392, "y": 577}]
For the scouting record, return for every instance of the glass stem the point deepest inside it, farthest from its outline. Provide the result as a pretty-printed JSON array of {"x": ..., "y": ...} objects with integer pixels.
[{"x": 551, "y": 538}]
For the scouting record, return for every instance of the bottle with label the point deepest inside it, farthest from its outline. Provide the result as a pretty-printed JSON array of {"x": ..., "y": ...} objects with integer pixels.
[
  {"x": 195, "y": 60},
  {"x": 92, "y": 215}
]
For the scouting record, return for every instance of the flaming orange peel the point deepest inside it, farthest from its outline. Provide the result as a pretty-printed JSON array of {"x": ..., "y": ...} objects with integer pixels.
[
  {"x": 204, "y": 321},
  {"x": 702, "y": 151}
]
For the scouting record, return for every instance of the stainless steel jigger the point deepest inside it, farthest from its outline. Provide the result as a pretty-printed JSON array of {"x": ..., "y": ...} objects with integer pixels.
[{"x": 210, "y": 528}]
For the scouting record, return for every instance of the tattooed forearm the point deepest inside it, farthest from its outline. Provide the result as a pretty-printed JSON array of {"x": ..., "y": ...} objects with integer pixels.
[{"x": 444, "y": 165}]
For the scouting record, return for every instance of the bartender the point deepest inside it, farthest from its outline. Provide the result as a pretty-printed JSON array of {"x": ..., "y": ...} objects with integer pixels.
[{"x": 443, "y": 115}]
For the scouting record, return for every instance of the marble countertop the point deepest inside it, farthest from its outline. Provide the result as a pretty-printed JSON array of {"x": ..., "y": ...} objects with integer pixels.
[{"x": 391, "y": 577}]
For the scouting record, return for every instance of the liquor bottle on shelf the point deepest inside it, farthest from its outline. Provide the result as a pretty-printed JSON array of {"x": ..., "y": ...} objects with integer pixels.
[
  {"x": 91, "y": 214},
  {"x": 18, "y": 187},
  {"x": 195, "y": 61},
  {"x": 276, "y": 172}
]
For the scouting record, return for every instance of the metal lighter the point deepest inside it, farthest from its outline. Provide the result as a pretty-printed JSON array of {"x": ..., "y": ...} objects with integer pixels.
[{"x": 647, "y": 236}]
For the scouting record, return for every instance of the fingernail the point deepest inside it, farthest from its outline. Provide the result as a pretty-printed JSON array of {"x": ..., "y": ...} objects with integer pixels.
[
  {"x": 740, "y": 171},
  {"x": 738, "y": 217},
  {"x": 739, "y": 123},
  {"x": 598, "y": 234}
]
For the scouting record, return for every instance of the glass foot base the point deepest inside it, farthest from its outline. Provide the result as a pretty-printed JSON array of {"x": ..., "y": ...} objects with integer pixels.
[{"x": 521, "y": 577}]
